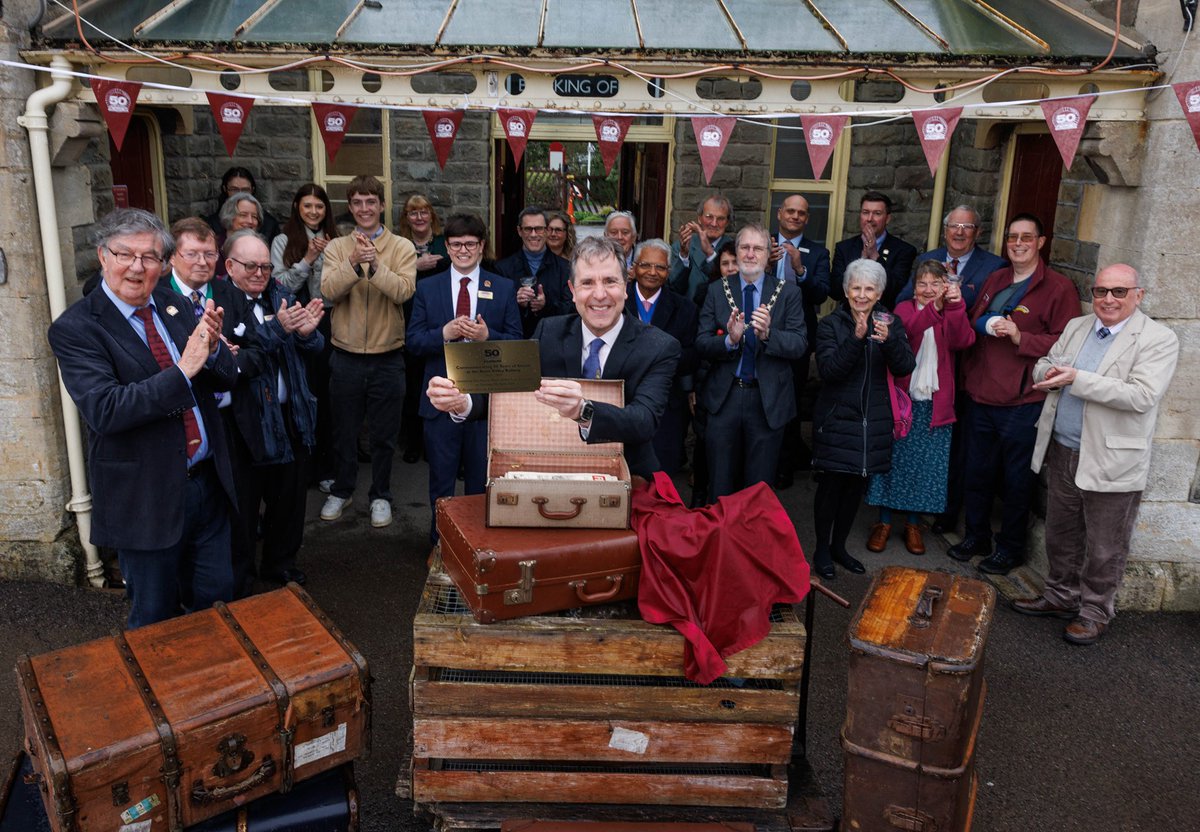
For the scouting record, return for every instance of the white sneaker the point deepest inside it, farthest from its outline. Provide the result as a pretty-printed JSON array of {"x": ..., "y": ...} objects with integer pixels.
[
  {"x": 381, "y": 513},
  {"x": 334, "y": 506},
  {"x": 325, "y": 485}
]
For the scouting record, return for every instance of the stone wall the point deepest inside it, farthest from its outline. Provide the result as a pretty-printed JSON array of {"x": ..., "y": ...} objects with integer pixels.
[
  {"x": 742, "y": 176},
  {"x": 464, "y": 185},
  {"x": 1070, "y": 252}
]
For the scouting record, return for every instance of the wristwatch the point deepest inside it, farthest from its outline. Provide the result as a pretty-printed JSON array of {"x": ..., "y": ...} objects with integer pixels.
[{"x": 585, "y": 413}]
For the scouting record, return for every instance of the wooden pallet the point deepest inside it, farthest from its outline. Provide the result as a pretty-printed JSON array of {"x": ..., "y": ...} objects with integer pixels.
[{"x": 566, "y": 710}]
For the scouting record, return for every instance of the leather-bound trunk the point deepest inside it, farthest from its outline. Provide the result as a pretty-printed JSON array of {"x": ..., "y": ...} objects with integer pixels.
[
  {"x": 165, "y": 726},
  {"x": 509, "y": 573},
  {"x": 915, "y": 701}
]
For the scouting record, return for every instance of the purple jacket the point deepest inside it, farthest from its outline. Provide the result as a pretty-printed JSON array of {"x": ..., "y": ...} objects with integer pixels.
[{"x": 953, "y": 332}]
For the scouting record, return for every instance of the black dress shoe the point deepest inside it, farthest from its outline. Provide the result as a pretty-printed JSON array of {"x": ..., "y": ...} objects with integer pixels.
[
  {"x": 288, "y": 576},
  {"x": 825, "y": 570},
  {"x": 1000, "y": 563},
  {"x": 971, "y": 547},
  {"x": 850, "y": 564}
]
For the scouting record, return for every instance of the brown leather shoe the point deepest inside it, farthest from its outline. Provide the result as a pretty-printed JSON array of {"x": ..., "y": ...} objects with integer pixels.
[
  {"x": 878, "y": 540},
  {"x": 1084, "y": 631},
  {"x": 1040, "y": 606},
  {"x": 912, "y": 539}
]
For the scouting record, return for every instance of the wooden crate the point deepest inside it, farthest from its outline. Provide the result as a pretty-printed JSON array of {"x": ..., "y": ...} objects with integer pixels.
[{"x": 565, "y": 710}]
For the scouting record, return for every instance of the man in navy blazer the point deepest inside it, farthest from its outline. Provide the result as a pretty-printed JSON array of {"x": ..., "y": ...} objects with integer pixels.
[
  {"x": 961, "y": 256},
  {"x": 463, "y": 303},
  {"x": 651, "y": 302},
  {"x": 143, "y": 372},
  {"x": 539, "y": 275},
  {"x": 600, "y": 342},
  {"x": 874, "y": 242},
  {"x": 750, "y": 345}
]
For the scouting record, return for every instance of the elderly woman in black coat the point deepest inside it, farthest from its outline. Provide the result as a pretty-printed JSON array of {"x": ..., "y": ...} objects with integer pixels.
[{"x": 857, "y": 344}]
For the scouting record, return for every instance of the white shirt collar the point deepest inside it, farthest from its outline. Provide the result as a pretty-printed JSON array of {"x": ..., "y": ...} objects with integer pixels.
[
  {"x": 609, "y": 338},
  {"x": 456, "y": 275},
  {"x": 652, "y": 299},
  {"x": 1112, "y": 330}
]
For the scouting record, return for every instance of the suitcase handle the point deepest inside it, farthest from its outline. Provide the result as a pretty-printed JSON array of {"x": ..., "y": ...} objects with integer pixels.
[
  {"x": 202, "y": 795},
  {"x": 597, "y": 597},
  {"x": 540, "y": 502},
  {"x": 923, "y": 614}
]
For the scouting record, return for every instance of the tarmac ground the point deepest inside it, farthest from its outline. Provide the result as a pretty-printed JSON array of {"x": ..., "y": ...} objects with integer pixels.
[{"x": 1094, "y": 739}]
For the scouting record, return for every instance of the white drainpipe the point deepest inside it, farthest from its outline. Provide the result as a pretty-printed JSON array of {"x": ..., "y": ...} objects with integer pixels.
[{"x": 38, "y": 125}]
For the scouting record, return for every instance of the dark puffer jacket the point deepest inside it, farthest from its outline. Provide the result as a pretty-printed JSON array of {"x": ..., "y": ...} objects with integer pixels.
[{"x": 852, "y": 419}]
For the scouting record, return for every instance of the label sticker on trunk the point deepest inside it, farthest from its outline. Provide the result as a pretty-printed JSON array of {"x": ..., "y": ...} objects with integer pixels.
[
  {"x": 140, "y": 826},
  {"x": 320, "y": 747},
  {"x": 623, "y": 739},
  {"x": 139, "y": 809}
]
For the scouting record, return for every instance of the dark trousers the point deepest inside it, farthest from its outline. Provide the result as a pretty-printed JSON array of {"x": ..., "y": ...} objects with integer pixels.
[
  {"x": 448, "y": 445},
  {"x": 700, "y": 458},
  {"x": 668, "y": 439},
  {"x": 1000, "y": 444},
  {"x": 282, "y": 493},
  {"x": 796, "y": 453},
  {"x": 1087, "y": 538},
  {"x": 192, "y": 573},
  {"x": 369, "y": 387},
  {"x": 835, "y": 506},
  {"x": 742, "y": 448}
]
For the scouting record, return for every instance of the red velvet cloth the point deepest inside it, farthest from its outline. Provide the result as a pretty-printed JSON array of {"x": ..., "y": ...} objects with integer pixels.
[{"x": 714, "y": 573}]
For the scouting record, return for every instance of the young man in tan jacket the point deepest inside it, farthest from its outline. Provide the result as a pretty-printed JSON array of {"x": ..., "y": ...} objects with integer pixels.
[{"x": 368, "y": 276}]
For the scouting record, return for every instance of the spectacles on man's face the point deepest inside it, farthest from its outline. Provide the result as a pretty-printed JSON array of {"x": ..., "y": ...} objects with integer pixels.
[
  {"x": 193, "y": 256},
  {"x": 261, "y": 268},
  {"x": 654, "y": 267},
  {"x": 1118, "y": 292},
  {"x": 1021, "y": 238},
  {"x": 463, "y": 245},
  {"x": 126, "y": 258},
  {"x": 961, "y": 226}
]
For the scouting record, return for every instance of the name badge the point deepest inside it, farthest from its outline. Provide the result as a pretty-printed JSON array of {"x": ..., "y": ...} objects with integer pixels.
[
  {"x": 484, "y": 295},
  {"x": 802, "y": 250}
]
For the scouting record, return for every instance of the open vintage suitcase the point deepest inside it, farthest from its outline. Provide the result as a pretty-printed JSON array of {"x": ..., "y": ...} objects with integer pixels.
[
  {"x": 525, "y": 435},
  {"x": 509, "y": 573},
  {"x": 160, "y": 728},
  {"x": 915, "y": 702}
]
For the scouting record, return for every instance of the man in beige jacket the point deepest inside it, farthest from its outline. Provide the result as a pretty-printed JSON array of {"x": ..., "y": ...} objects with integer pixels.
[
  {"x": 1105, "y": 377},
  {"x": 368, "y": 276}
]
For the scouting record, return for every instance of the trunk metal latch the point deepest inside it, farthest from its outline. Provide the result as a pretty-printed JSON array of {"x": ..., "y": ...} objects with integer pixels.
[{"x": 523, "y": 594}]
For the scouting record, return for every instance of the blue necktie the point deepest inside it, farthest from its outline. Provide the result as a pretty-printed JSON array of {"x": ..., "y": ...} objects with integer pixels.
[
  {"x": 591, "y": 364},
  {"x": 748, "y": 307},
  {"x": 1103, "y": 332}
]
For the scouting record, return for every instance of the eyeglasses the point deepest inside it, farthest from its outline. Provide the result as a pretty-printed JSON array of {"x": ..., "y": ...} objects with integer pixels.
[
  {"x": 1021, "y": 238},
  {"x": 533, "y": 229},
  {"x": 126, "y": 258},
  {"x": 1118, "y": 292},
  {"x": 193, "y": 256},
  {"x": 261, "y": 268},
  {"x": 553, "y": 230},
  {"x": 421, "y": 212},
  {"x": 961, "y": 226},
  {"x": 652, "y": 267},
  {"x": 717, "y": 218},
  {"x": 463, "y": 245}
]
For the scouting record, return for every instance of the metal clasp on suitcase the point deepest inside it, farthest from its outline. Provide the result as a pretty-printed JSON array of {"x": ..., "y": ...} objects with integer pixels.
[
  {"x": 523, "y": 594},
  {"x": 923, "y": 614},
  {"x": 910, "y": 820}
]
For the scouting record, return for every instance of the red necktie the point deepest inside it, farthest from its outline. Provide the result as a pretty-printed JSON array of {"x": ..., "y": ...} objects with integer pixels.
[
  {"x": 954, "y": 266},
  {"x": 191, "y": 428},
  {"x": 463, "y": 308}
]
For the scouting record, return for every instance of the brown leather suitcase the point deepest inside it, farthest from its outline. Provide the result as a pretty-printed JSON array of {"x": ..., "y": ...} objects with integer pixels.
[
  {"x": 509, "y": 573},
  {"x": 165, "y": 726},
  {"x": 915, "y": 701}
]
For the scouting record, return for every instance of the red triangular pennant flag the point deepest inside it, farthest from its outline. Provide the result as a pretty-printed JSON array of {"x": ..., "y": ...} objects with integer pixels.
[
  {"x": 517, "y": 124},
  {"x": 116, "y": 100},
  {"x": 712, "y": 134},
  {"x": 1066, "y": 118},
  {"x": 610, "y": 132},
  {"x": 821, "y": 137},
  {"x": 230, "y": 112},
  {"x": 934, "y": 129},
  {"x": 333, "y": 121},
  {"x": 443, "y": 127},
  {"x": 1188, "y": 93}
]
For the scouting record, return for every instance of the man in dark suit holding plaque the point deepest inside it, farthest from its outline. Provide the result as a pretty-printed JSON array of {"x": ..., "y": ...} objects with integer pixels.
[
  {"x": 464, "y": 303},
  {"x": 601, "y": 342}
]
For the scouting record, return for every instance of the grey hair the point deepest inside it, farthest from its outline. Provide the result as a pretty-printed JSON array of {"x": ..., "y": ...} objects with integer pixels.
[
  {"x": 871, "y": 271},
  {"x": 229, "y": 209},
  {"x": 591, "y": 249},
  {"x": 241, "y": 234},
  {"x": 720, "y": 200},
  {"x": 754, "y": 228},
  {"x": 617, "y": 215},
  {"x": 654, "y": 243},
  {"x": 127, "y": 221},
  {"x": 974, "y": 215}
]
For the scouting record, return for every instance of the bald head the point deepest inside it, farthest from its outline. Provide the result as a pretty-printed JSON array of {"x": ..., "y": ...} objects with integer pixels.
[{"x": 1109, "y": 308}]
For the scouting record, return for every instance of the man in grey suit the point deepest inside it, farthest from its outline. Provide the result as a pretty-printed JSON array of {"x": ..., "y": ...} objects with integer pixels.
[
  {"x": 697, "y": 246},
  {"x": 1104, "y": 377},
  {"x": 751, "y": 330}
]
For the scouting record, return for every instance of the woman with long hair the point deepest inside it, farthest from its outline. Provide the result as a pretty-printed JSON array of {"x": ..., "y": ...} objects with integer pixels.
[{"x": 560, "y": 234}]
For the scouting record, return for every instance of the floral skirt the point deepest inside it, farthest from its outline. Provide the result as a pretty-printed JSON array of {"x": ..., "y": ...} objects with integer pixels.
[{"x": 917, "y": 481}]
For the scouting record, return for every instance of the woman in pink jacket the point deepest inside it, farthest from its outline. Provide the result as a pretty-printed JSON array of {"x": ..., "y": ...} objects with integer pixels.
[{"x": 938, "y": 326}]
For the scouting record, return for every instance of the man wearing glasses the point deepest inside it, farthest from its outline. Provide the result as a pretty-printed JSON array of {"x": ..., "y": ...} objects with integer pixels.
[
  {"x": 696, "y": 248},
  {"x": 143, "y": 371},
  {"x": 1019, "y": 314},
  {"x": 463, "y": 303},
  {"x": 1104, "y": 379},
  {"x": 539, "y": 275}
]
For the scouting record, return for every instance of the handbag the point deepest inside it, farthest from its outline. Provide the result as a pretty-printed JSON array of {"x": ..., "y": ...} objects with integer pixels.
[{"x": 901, "y": 409}]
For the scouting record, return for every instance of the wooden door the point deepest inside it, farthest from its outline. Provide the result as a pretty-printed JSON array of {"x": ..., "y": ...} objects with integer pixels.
[
  {"x": 132, "y": 171},
  {"x": 1036, "y": 176}
]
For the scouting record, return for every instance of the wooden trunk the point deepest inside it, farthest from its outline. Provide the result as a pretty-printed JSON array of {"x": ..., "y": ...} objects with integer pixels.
[
  {"x": 915, "y": 701},
  {"x": 567, "y": 710},
  {"x": 508, "y": 573},
  {"x": 165, "y": 726}
]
